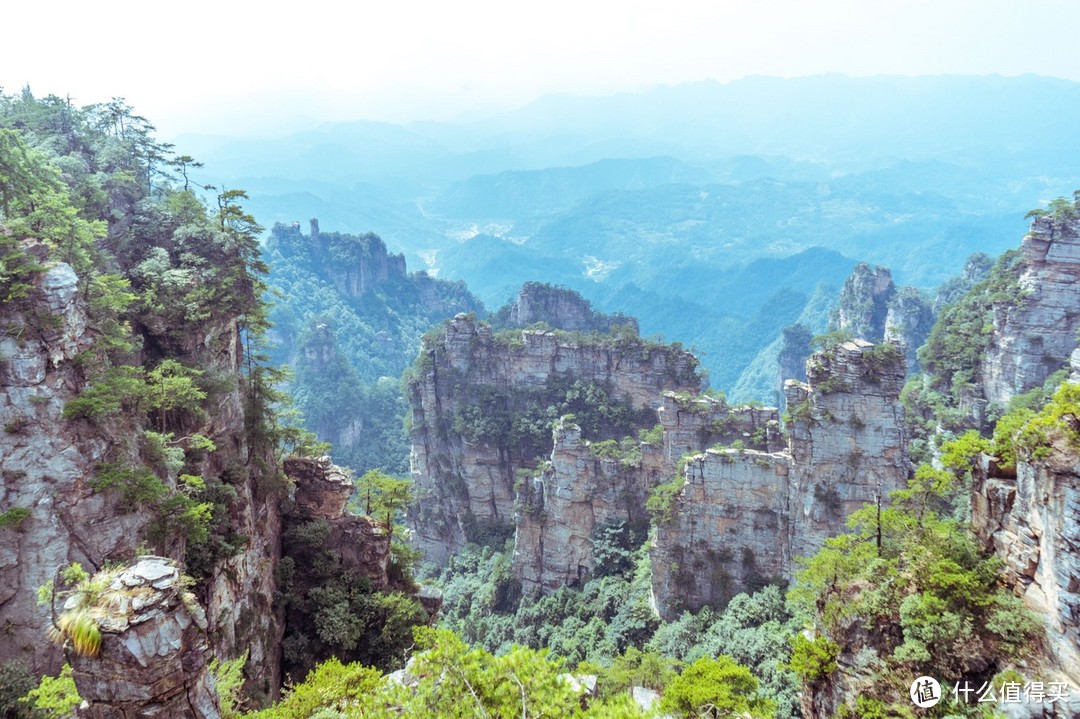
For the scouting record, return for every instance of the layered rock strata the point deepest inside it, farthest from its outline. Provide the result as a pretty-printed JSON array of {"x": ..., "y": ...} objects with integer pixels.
[
  {"x": 322, "y": 491},
  {"x": 48, "y": 465},
  {"x": 154, "y": 654},
  {"x": 45, "y": 467},
  {"x": 583, "y": 490},
  {"x": 1034, "y": 337},
  {"x": 743, "y": 515},
  {"x": 466, "y": 481},
  {"x": 1032, "y": 521}
]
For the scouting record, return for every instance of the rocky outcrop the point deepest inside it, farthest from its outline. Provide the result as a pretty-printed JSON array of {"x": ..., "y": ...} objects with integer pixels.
[
  {"x": 864, "y": 301},
  {"x": 695, "y": 423},
  {"x": 908, "y": 323},
  {"x": 587, "y": 487},
  {"x": 1033, "y": 337},
  {"x": 476, "y": 398},
  {"x": 872, "y": 308},
  {"x": 322, "y": 491},
  {"x": 562, "y": 309},
  {"x": 577, "y": 494},
  {"x": 742, "y": 514},
  {"x": 48, "y": 465},
  {"x": 154, "y": 653},
  {"x": 357, "y": 264},
  {"x": 1032, "y": 521},
  {"x": 847, "y": 440}
]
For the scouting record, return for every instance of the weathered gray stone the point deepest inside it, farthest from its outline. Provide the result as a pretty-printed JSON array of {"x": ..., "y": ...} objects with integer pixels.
[
  {"x": 459, "y": 482},
  {"x": 743, "y": 515},
  {"x": 154, "y": 667},
  {"x": 47, "y": 463},
  {"x": 1035, "y": 338},
  {"x": 1032, "y": 521}
]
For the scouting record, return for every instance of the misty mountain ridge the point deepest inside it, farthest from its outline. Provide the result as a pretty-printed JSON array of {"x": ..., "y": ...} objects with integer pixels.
[{"x": 672, "y": 191}]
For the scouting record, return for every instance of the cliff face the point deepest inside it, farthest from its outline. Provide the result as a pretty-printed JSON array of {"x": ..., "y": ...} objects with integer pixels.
[
  {"x": 1033, "y": 338},
  {"x": 908, "y": 323},
  {"x": 1032, "y": 521},
  {"x": 49, "y": 464},
  {"x": 864, "y": 301},
  {"x": 588, "y": 487},
  {"x": 872, "y": 308},
  {"x": 749, "y": 502},
  {"x": 356, "y": 265},
  {"x": 743, "y": 514},
  {"x": 45, "y": 465},
  {"x": 480, "y": 404},
  {"x": 847, "y": 439},
  {"x": 322, "y": 491}
]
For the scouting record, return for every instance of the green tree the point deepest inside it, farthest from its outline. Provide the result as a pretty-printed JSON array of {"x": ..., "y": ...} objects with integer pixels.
[
  {"x": 171, "y": 388},
  {"x": 715, "y": 688}
]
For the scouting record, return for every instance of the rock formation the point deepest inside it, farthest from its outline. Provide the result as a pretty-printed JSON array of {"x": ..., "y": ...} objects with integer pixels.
[
  {"x": 1034, "y": 337},
  {"x": 45, "y": 463},
  {"x": 563, "y": 309},
  {"x": 864, "y": 301},
  {"x": 475, "y": 397},
  {"x": 587, "y": 487},
  {"x": 322, "y": 491},
  {"x": 908, "y": 323},
  {"x": 743, "y": 514},
  {"x": 1031, "y": 519},
  {"x": 872, "y": 308},
  {"x": 154, "y": 649},
  {"x": 48, "y": 465}
]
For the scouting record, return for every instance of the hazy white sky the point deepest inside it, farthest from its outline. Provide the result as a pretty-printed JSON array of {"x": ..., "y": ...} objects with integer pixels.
[{"x": 198, "y": 65}]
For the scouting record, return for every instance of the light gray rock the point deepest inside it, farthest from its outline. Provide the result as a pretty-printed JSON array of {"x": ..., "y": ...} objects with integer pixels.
[
  {"x": 743, "y": 516},
  {"x": 461, "y": 483},
  {"x": 645, "y": 698},
  {"x": 1032, "y": 521},
  {"x": 153, "y": 667},
  {"x": 1036, "y": 337}
]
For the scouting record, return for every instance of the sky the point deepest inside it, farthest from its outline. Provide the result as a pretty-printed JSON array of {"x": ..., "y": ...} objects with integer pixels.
[{"x": 231, "y": 66}]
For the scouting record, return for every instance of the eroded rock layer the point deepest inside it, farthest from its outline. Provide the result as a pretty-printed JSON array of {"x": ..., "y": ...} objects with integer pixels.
[
  {"x": 1033, "y": 338},
  {"x": 479, "y": 404},
  {"x": 742, "y": 515},
  {"x": 154, "y": 654}
]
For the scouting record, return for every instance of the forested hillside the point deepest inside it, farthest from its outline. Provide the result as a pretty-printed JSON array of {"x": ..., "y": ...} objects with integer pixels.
[{"x": 348, "y": 317}]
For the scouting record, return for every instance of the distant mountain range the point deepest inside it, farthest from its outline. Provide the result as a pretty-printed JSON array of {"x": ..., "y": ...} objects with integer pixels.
[{"x": 664, "y": 204}]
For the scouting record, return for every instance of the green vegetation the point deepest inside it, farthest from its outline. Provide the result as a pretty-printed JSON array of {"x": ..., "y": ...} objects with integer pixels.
[
  {"x": 171, "y": 276},
  {"x": 1026, "y": 433},
  {"x": 958, "y": 341},
  {"x": 520, "y": 422},
  {"x": 607, "y": 623},
  {"x": 921, "y": 583},
  {"x": 353, "y": 323},
  {"x": 661, "y": 501},
  {"x": 716, "y": 688},
  {"x": 15, "y": 682},
  {"x": 229, "y": 678},
  {"x": 451, "y": 680},
  {"x": 55, "y": 697},
  {"x": 12, "y": 518},
  {"x": 332, "y": 611}
]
